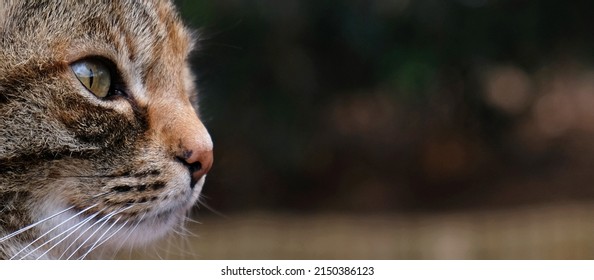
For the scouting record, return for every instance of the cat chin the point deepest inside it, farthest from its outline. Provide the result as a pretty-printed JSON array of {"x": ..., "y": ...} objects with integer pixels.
[
  {"x": 83, "y": 237},
  {"x": 80, "y": 234}
]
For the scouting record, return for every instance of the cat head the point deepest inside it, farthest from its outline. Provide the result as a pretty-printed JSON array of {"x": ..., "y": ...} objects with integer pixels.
[{"x": 97, "y": 126}]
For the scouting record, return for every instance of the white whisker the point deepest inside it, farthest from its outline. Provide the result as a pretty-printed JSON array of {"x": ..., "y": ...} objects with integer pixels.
[
  {"x": 52, "y": 229},
  {"x": 186, "y": 232},
  {"x": 33, "y": 225},
  {"x": 90, "y": 236},
  {"x": 72, "y": 231},
  {"x": 95, "y": 246},
  {"x": 130, "y": 233},
  {"x": 82, "y": 233},
  {"x": 188, "y": 219},
  {"x": 99, "y": 238},
  {"x": 201, "y": 202},
  {"x": 186, "y": 246},
  {"x": 107, "y": 217}
]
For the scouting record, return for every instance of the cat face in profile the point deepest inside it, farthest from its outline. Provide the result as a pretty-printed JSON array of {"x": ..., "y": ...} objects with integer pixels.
[{"x": 100, "y": 145}]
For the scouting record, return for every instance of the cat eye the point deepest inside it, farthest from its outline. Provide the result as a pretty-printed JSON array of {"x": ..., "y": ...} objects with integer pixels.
[{"x": 94, "y": 75}]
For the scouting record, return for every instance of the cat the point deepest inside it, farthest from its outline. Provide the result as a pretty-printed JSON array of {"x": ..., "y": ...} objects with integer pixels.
[{"x": 101, "y": 146}]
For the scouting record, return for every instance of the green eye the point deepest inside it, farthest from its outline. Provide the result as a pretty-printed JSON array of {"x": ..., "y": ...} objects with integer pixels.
[{"x": 94, "y": 75}]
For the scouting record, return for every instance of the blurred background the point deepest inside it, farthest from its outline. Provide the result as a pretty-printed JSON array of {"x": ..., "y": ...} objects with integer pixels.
[{"x": 395, "y": 129}]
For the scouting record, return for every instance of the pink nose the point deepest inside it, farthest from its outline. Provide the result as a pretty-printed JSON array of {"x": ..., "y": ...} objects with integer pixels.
[
  {"x": 199, "y": 162},
  {"x": 178, "y": 128}
]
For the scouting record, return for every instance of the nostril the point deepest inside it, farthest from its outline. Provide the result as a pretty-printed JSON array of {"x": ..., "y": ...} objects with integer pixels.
[
  {"x": 196, "y": 166},
  {"x": 195, "y": 169},
  {"x": 198, "y": 163}
]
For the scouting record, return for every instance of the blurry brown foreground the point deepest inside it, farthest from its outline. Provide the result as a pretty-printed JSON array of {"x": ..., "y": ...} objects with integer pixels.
[{"x": 556, "y": 232}]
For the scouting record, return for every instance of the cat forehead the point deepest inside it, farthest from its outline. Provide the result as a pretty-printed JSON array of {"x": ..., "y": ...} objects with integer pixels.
[{"x": 139, "y": 29}]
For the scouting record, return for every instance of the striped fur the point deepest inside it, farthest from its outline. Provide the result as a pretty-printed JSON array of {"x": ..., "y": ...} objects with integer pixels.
[{"x": 110, "y": 168}]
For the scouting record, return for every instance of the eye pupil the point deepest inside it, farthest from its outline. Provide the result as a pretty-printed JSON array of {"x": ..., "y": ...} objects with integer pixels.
[
  {"x": 94, "y": 75},
  {"x": 91, "y": 77}
]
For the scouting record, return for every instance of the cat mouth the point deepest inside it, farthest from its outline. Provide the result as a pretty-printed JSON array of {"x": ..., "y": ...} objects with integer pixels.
[
  {"x": 76, "y": 228},
  {"x": 175, "y": 209},
  {"x": 85, "y": 231},
  {"x": 133, "y": 199}
]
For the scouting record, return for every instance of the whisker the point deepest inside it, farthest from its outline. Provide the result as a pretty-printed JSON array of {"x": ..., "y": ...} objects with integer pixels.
[
  {"x": 181, "y": 243},
  {"x": 81, "y": 234},
  {"x": 32, "y": 225},
  {"x": 52, "y": 229},
  {"x": 102, "y": 194},
  {"x": 78, "y": 226},
  {"x": 182, "y": 231},
  {"x": 90, "y": 236},
  {"x": 114, "y": 233},
  {"x": 99, "y": 238},
  {"x": 15, "y": 233},
  {"x": 203, "y": 203},
  {"x": 96, "y": 230},
  {"x": 188, "y": 219},
  {"x": 130, "y": 233},
  {"x": 107, "y": 238},
  {"x": 95, "y": 176}
]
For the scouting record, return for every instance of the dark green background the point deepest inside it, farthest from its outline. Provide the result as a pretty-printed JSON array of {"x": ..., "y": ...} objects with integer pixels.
[{"x": 380, "y": 106}]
